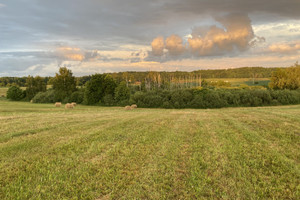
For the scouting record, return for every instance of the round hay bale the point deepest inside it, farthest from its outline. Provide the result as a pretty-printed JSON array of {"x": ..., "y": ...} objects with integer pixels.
[
  {"x": 57, "y": 104},
  {"x": 74, "y": 104},
  {"x": 31, "y": 101},
  {"x": 133, "y": 106},
  {"x": 69, "y": 106},
  {"x": 128, "y": 108}
]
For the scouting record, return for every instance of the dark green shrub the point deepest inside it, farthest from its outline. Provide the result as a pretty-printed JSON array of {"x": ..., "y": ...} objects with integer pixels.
[
  {"x": 181, "y": 98},
  {"x": 108, "y": 100},
  {"x": 197, "y": 102},
  {"x": 77, "y": 97},
  {"x": 122, "y": 92},
  {"x": 212, "y": 99},
  {"x": 45, "y": 97},
  {"x": 99, "y": 86},
  {"x": 15, "y": 93}
]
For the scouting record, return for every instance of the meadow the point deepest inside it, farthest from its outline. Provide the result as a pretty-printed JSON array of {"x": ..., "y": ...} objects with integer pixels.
[{"x": 108, "y": 153}]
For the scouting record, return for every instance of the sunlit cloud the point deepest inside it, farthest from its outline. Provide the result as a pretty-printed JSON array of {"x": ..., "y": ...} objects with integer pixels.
[
  {"x": 100, "y": 36},
  {"x": 284, "y": 48},
  {"x": 234, "y": 34}
]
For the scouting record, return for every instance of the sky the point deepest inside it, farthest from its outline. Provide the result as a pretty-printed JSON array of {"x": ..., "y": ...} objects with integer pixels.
[{"x": 99, "y": 36}]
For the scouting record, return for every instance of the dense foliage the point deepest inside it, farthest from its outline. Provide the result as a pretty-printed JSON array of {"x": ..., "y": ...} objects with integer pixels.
[
  {"x": 160, "y": 91},
  {"x": 15, "y": 93},
  {"x": 288, "y": 78},
  {"x": 45, "y": 97},
  {"x": 64, "y": 84},
  {"x": 214, "y": 98},
  {"x": 34, "y": 85},
  {"x": 99, "y": 86}
]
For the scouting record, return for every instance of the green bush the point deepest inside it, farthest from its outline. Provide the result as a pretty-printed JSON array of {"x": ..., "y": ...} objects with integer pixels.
[
  {"x": 77, "y": 97},
  {"x": 108, "y": 100},
  {"x": 122, "y": 92},
  {"x": 45, "y": 97},
  {"x": 15, "y": 93},
  {"x": 99, "y": 86}
]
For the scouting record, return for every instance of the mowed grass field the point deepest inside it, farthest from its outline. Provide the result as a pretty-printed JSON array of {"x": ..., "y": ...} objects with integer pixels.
[{"x": 110, "y": 153}]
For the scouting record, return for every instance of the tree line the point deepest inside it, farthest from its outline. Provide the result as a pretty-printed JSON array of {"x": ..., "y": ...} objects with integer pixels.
[
  {"x": 158, "y": 90},
  {"x": 160, "y": 77}
]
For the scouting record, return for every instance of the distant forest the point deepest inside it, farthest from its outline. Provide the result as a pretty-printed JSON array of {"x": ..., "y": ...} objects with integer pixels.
[{"x": 133, "y": 77}]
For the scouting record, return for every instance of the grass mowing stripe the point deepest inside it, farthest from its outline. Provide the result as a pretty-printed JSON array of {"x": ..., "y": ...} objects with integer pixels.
[
  {"x": 266, "y": 164},
  {"x": 72, "y": 150},
  {"x": 150, "y": 154}
]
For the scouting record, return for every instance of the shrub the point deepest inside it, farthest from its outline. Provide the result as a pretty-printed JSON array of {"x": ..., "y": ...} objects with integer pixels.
[
  {"x": 212, "y": 99},
  {"x": 77, "y": 97},
  {"x": 122, "y": 92},
  {"x": 99, "y": 86},
  {"x": 45, "y": 97},
  {"x": 108, "y": 100},
  {"x": 15, "y": 93}
]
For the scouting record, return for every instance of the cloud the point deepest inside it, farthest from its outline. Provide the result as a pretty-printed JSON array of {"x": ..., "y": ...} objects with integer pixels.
[
  {"x": 174, "y": 45},
  {"x": 69, "y": 53},
  {"x": 285, "y": 8},
  {"x": 158, "y": 46},
  {"x": 2, "y": 5},
  {"x": 234, "y": 34},
  {"x": 283, "y": 48}
]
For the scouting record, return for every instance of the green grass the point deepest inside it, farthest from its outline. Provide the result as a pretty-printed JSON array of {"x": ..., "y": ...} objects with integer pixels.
[
  {"x": 110, "y": 153},
  {"x": 240, "y": 81},
  {"x": 3, "y": 91}
]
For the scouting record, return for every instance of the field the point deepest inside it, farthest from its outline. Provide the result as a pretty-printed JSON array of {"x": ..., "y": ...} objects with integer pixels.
[
  {"x": 240, "y": 81},
  {"x": 110, "y": 153},
  {"x": 3, "y": 91}
]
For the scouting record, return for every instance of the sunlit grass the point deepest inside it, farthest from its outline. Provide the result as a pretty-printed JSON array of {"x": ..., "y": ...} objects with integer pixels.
[{"x": 110, "y": 153}]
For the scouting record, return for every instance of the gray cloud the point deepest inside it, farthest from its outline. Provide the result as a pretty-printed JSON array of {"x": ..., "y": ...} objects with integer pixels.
[
  {"x": 34, "y": 26},
  {"x": 285, "y": 8},
  {"x": 235, "y": 34}
]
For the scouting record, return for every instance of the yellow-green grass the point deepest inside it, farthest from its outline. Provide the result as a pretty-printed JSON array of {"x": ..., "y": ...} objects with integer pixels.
[
  {"x": 110, "y": 153},
  {"x": 239, "y": 81},
  {"x": 3, "y": 91}
]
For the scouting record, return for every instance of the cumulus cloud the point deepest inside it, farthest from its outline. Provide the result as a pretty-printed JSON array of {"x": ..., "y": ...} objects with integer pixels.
[
  {"x": 234, "y": 34},
  {"x": 75, "y": 54},
  {"x": 174, "y": 45},
  {"x": 283, "y": 48},
  {"x": 158, "y": 46},
  {"x": 69, "y": 53}
]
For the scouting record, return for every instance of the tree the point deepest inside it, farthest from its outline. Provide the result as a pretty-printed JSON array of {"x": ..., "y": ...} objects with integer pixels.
[
  {"x": 122, "y": 92},
  {"x": 14, "y": 93},
  {"x": 99, "y": 86},
  {"x": 34, "y": 85},
  {"x": 64, "y": 83},
  {"x": 288, "y": 78}
]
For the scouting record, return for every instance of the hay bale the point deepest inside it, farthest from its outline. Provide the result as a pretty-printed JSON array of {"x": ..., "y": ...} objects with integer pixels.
[
  {"x": 57, "y": 104},
  {"x": 74, "y": 104},
  {"x": 128, "y": 108},
  {"x": 133, "y": 106},
  {"x": 69, "y": 106},
  {"x": 31, "y": 101}
]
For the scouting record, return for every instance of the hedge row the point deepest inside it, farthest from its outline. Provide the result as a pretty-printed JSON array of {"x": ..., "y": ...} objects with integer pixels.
[{"x": 210, "y": 98}]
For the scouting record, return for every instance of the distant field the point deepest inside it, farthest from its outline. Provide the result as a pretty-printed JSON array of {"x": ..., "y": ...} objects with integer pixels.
[
  {"x": 110, "y": 153},
  {"x": 239, "y": 81},
  {"x": 3, "y": 91}
]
